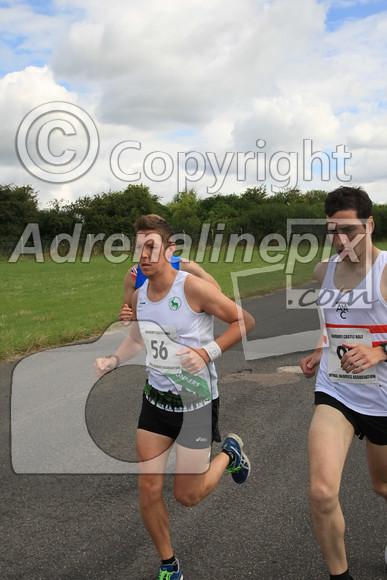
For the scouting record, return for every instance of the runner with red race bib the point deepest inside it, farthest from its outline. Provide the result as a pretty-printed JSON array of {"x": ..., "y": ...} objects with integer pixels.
[{"x": 351, "y": 384}]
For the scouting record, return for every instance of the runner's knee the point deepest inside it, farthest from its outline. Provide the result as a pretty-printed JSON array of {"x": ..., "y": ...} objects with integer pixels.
[
  {"x": 150, "y": 488},
  {"x": 188, "y": 495},
  {"x": 187, "y": 498},
  {"x": 323, "y": 498}
]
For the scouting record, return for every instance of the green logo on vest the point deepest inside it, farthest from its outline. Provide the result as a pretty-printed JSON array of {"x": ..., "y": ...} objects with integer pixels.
[{"x": 174, "y": 303}]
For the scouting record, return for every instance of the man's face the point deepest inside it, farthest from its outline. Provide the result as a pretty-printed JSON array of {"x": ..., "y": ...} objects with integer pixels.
[
  {"x": 151, "y": 252},
  {"x": 349, "y": 234}
]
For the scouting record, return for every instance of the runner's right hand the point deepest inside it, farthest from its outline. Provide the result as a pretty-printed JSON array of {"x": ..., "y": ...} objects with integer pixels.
[
  {"x": 102, "y": 366},
  {"x": 310, "y": 363}
]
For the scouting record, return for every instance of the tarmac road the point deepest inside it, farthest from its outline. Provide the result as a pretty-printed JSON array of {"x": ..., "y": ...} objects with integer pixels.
[{"x": 70, "y": 508}]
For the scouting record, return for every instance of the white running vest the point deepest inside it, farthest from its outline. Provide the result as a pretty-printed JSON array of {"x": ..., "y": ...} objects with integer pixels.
[
  {"x": 358, "y": 316},
  {"x": 168, "y": 326}
]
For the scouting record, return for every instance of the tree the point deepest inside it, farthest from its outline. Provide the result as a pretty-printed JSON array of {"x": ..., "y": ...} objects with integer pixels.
[
  {"x": 287, "y": 196},
  {"x": 220, "y": 208},
  {"x": 315, "y": 196},
  {"x": 57, "y": 219},
  {"x": 115, "y": 211},
  {"x": 255, "y": 195},
  {"x": 18, "y": 207},
  {"x": 183, "y": 211}
]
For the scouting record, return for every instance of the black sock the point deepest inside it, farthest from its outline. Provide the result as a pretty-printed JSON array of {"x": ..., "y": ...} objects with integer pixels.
[
  {"x": 170, "y": 561},
  {"x": 231, "y": 456},
  {"x": 343, "y": 576}
]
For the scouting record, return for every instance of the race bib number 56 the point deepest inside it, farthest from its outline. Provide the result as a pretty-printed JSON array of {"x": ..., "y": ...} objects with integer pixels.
[
  {"x": 161, "y": 347},
  {"x": 336, "y": 338}
]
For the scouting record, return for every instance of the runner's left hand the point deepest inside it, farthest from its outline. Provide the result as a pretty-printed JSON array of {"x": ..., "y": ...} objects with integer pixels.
[
  {"x": 359, "y": 357},
  {"x": 191, "y": 360}
]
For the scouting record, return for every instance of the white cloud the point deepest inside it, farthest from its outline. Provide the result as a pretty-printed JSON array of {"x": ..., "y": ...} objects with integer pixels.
[
  {"x": 20, "y": 92},
  {"x": 196, "y": 75},
  {"x": 28, "y": 36},
  {"x": 179, "y": 63},
  {"x": 286, "y": 120}
]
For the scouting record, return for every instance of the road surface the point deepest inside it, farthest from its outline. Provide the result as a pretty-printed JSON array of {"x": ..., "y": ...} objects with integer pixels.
[{"x": 70, "y": 500}]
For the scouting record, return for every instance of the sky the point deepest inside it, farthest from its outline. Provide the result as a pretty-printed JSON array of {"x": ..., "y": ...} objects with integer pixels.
[{"x": 212, "y": 94}]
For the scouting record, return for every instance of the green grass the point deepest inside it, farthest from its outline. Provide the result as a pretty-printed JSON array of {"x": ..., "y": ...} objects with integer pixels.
[{"x": 48, "y": 304}]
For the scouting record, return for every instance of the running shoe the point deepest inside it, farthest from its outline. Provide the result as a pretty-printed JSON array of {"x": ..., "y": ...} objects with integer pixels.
[
  {"x": 167, "y": 572},
  {"x": 240, "y": 467}
]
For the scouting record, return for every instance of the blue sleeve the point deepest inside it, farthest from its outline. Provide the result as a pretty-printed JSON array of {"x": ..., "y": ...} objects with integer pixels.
[
  {"x": 140, "y": 279},
  {"x": 175, "y": 262}
]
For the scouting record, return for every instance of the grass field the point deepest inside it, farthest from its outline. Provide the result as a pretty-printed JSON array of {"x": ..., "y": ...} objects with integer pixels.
[{"x": 48, "y": 304}]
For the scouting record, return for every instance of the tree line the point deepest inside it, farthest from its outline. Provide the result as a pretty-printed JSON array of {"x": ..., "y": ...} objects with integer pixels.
[{"x": 254, "y": 211}]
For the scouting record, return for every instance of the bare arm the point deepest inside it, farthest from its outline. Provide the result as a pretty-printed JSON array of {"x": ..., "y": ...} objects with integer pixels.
[
  {"x": 309, "y": 364},
  {"x": 383, "y": 284},
  {"x": 126, "y": 311},
  {"x": 134, "y": 342},
  {"x": 129, "y": 348},
  {"x": 193, "y": 268},
  {"x": 204, "y": 297}
]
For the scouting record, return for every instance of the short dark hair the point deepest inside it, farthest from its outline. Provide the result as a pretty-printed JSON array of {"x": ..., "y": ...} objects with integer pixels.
[
  {"x": 152, "y": 221},
  {"x": 344, "y": 198}
]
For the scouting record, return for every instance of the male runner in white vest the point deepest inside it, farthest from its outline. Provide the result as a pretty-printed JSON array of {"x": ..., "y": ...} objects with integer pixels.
[
  {"x": 351, "y": 385},
  {"x": 173, "y": 317}
]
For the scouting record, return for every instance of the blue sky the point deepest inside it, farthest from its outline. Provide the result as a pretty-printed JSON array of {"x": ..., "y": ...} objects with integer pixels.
[
  {"x": 347, "y": 10},
  {"x": 180, "y": 76}
]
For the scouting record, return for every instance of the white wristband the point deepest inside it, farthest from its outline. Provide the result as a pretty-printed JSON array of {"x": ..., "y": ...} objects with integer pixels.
[{"x": 213, "y": 350}]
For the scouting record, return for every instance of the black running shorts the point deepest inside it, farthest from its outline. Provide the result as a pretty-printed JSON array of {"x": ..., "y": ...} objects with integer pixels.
[
  {"x": 370, "y": 426},
  {"x": 195, "y": 429}
]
